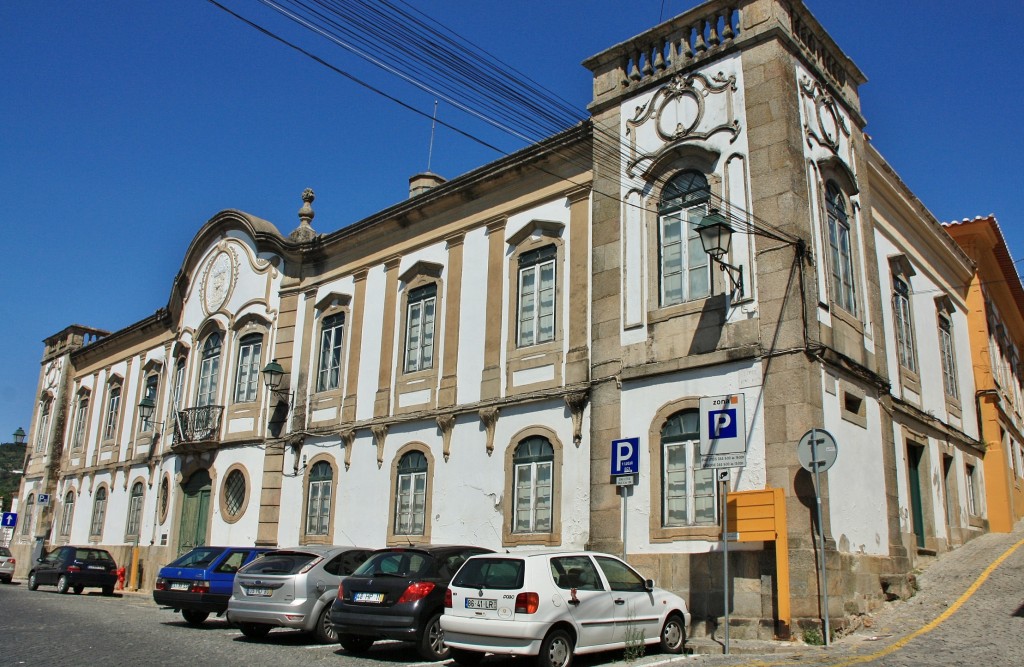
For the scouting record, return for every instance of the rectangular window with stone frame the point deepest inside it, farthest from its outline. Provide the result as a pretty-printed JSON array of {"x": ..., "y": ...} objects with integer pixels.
[{"x": 419, "y": 329}]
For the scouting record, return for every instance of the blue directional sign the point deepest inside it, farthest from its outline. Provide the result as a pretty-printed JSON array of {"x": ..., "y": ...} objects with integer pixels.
[
  {"x": 10, "y": 520},
  {"x": 626, "y": 456}
]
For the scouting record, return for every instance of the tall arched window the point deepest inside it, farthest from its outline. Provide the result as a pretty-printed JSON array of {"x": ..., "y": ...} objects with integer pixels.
[
  {"x": 179, "y": 382},
  {"x": 43, "y": 427},
  {"x": 411, "y": 494},
  {"x": 67, "y": 513},
  {"x": 149, "y": 391},
  {"x": 81, "y": 413},
  {"x": 113, "y": 411},
  {"x": 26, "y": 520},
  {"x": 247, "y": 377},
  {"x": 684, "y": 268},
  {"x": 533, "y": 460},
  {"x": 209, "y": 370},
  {"x": 318, "y": 503},
  {"x": 536, "y": 311},
  {"x": 688, "y": 490},
  {"x": 99, "y": 513},
  {"x": 331, "y": 335},
  {"x": 134, "y": 510},
  {"x": 841, "y": 254}
]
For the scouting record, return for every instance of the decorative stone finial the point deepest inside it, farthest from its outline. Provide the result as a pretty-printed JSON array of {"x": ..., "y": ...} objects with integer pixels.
[{"x": 304, "y": 232}]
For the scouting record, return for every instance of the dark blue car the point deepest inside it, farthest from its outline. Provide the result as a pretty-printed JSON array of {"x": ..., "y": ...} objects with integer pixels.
[{"x": 199, "y": 583}]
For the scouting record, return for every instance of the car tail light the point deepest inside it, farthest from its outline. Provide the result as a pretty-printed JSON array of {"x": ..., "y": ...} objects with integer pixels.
[
  {"x": 12, "y": 561},
  {"x": 161, "y": 584},
  {"x": 311, "y": 564},
  {"x": 74, "y": 568},
  {"x": 448, "y": 599},
  {"x": 416, "y": 591},
  {"x": 341, "y": 590},
  {"x": 200, "y": 586},
  {"x": 527, "y": 603}
]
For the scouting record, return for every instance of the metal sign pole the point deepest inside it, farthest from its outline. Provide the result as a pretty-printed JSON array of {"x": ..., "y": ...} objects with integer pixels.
[
  {"x": 625, "y": 516},
  {"x": 725, "y": 559},
  {"x": 821, "y": 533}
]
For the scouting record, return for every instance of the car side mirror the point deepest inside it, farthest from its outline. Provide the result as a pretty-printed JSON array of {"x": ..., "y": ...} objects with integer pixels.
[
  {"x": 648, "y": 585},
  {"x": 39, "y": 560}
]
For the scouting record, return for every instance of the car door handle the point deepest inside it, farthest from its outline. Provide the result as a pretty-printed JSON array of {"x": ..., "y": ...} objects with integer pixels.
[{"x": 620, "y": 601}]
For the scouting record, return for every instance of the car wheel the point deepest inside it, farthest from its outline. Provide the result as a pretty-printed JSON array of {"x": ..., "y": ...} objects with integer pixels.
[
  {"x": 432, "y": 646},
  {"x": 108, "y": 590},
  {"x": 673, "y": 635},
  {"x": 355, "y": 643},
  {"x": 193, "y": 617},
  {"x": 32, "y": 583},
  {"x": 254, "y": 630},
  {"x": 556, "y": 650},
  {"x": 63, "y": 584},
  {"x": 78, "y": 589},
  {"x": 324, "y": 630},
  {"x": 464, "y": 657}
]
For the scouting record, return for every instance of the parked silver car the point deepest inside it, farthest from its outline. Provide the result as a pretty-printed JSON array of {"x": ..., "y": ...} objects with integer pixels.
[
  {"x": 292, "y": 588},
  {"x": 7, "y": 563}
]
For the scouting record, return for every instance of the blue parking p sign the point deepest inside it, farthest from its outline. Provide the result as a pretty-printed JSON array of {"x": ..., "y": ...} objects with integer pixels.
[
  {"x": 10, "y": 520},
  {"x": 626, "y": 456}
]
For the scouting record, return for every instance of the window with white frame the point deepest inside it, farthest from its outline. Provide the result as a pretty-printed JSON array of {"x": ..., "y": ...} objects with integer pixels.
[
  {"x": 948, "y": 354},
  {"x": 972, "y": 490},
  {"x": 419, "y": 328},
  {"x": 411, "y": 494},
  {"x": 247, "y": 375},
  {"x": 149, "y": 391},
  {"x": 906, "y": 351},
  {"x": 134, "y": 510},
  {"x": 533, "y": 461},
  {"x": 209, "y": 371},
  {"x": 684, "y": 270},
  {"x": 99, "y": 513},
  {"x": 688, "y": 490},
  {"x": 81, "y": 415},
  {"x": 332, "y": 331},
  {"x": 844, "y": 291},
  {"x": 179, "y": 383},
  {"x": 537, "y": 296},
  {"x": 113, "y": 410},
  {"x": 67, "y": 512},
  {"x": 43, "y": 427},
  {"x": 26, "y": 520},
  {"x": 318, "y": 499}
]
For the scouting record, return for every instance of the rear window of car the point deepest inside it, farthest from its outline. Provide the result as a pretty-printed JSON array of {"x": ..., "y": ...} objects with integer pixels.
[
  {"x": 93, "y": 555},
  {"x": 500, "y": 573},
  {"x": 4, "y": 551},
  {"x": 396, "y": 563},
  {"x": 199, "y": 558},
  {"x": 280, "y": 562}
]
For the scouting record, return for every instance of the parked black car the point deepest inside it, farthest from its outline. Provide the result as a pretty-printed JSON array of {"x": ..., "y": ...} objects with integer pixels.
[
  {"x": 199, "y": 582},
  {"x": 74, "y": 568},
  {"x": 398, "y": 593}
]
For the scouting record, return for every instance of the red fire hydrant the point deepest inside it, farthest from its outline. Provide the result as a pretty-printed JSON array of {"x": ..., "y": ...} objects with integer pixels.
[{"x": 120, "y": 578}]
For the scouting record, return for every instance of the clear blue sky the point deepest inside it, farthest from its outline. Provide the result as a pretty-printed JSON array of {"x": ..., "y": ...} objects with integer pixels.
[{"x": 126, "y": 125}]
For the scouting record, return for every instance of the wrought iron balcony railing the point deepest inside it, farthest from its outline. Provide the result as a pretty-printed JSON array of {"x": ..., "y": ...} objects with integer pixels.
[{"x": 197, "y": 424}]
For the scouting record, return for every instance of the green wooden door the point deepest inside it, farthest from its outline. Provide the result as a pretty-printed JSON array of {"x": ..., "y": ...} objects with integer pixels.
[
  {"x": 917, "y": 512},
  {"x": 195, "y": 512}
]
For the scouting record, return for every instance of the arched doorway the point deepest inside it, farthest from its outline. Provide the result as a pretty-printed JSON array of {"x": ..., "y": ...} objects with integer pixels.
[{"x": 195, "y": 511}]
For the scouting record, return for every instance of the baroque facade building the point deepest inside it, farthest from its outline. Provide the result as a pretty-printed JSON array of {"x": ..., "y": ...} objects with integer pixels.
[{"x": 456, "y": 367}]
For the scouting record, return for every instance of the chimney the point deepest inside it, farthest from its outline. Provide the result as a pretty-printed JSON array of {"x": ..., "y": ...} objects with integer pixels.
[{"x": 420, "y": 183}]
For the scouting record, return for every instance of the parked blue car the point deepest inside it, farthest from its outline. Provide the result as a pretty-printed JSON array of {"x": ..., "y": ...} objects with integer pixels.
[{"x": 199, "y": 583}]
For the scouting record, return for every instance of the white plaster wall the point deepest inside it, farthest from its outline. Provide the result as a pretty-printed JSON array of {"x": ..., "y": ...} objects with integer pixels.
[
  {"x": 369, "y": 353},
  {"x": 856, "y": 483},
  {"x": 244, "y": 530},
  {"x": 641, "y": 401},
  {"x": 472, "y": 321}
]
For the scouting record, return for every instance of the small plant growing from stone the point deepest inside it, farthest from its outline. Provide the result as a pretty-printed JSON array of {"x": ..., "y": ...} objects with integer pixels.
[
  {"x": 813, "y": 637},
  {"x": 635, "y": 646}
]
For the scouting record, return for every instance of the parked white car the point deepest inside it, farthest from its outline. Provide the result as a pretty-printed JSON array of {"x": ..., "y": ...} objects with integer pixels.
[{"x": 554, "y": 605}]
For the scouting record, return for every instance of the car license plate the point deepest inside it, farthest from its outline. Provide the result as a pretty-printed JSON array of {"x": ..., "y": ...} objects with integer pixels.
[
  {"x": 258, "y": 592},
  {"x": 96, "y": 567},
  {"x": 481, "y": 603},
  {"x": 179, "y": 586},
  {"x": 367, "y": 597}
]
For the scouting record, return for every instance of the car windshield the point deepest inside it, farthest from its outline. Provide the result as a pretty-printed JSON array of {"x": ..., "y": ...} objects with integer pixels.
[
  {"x": 279, "y": 562},
  {"x": 93, "y": 555},
  {"x": 396, "y": 564},
  {"x": 200, "y": 558},
  {"x": 500, "y": 573}
]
